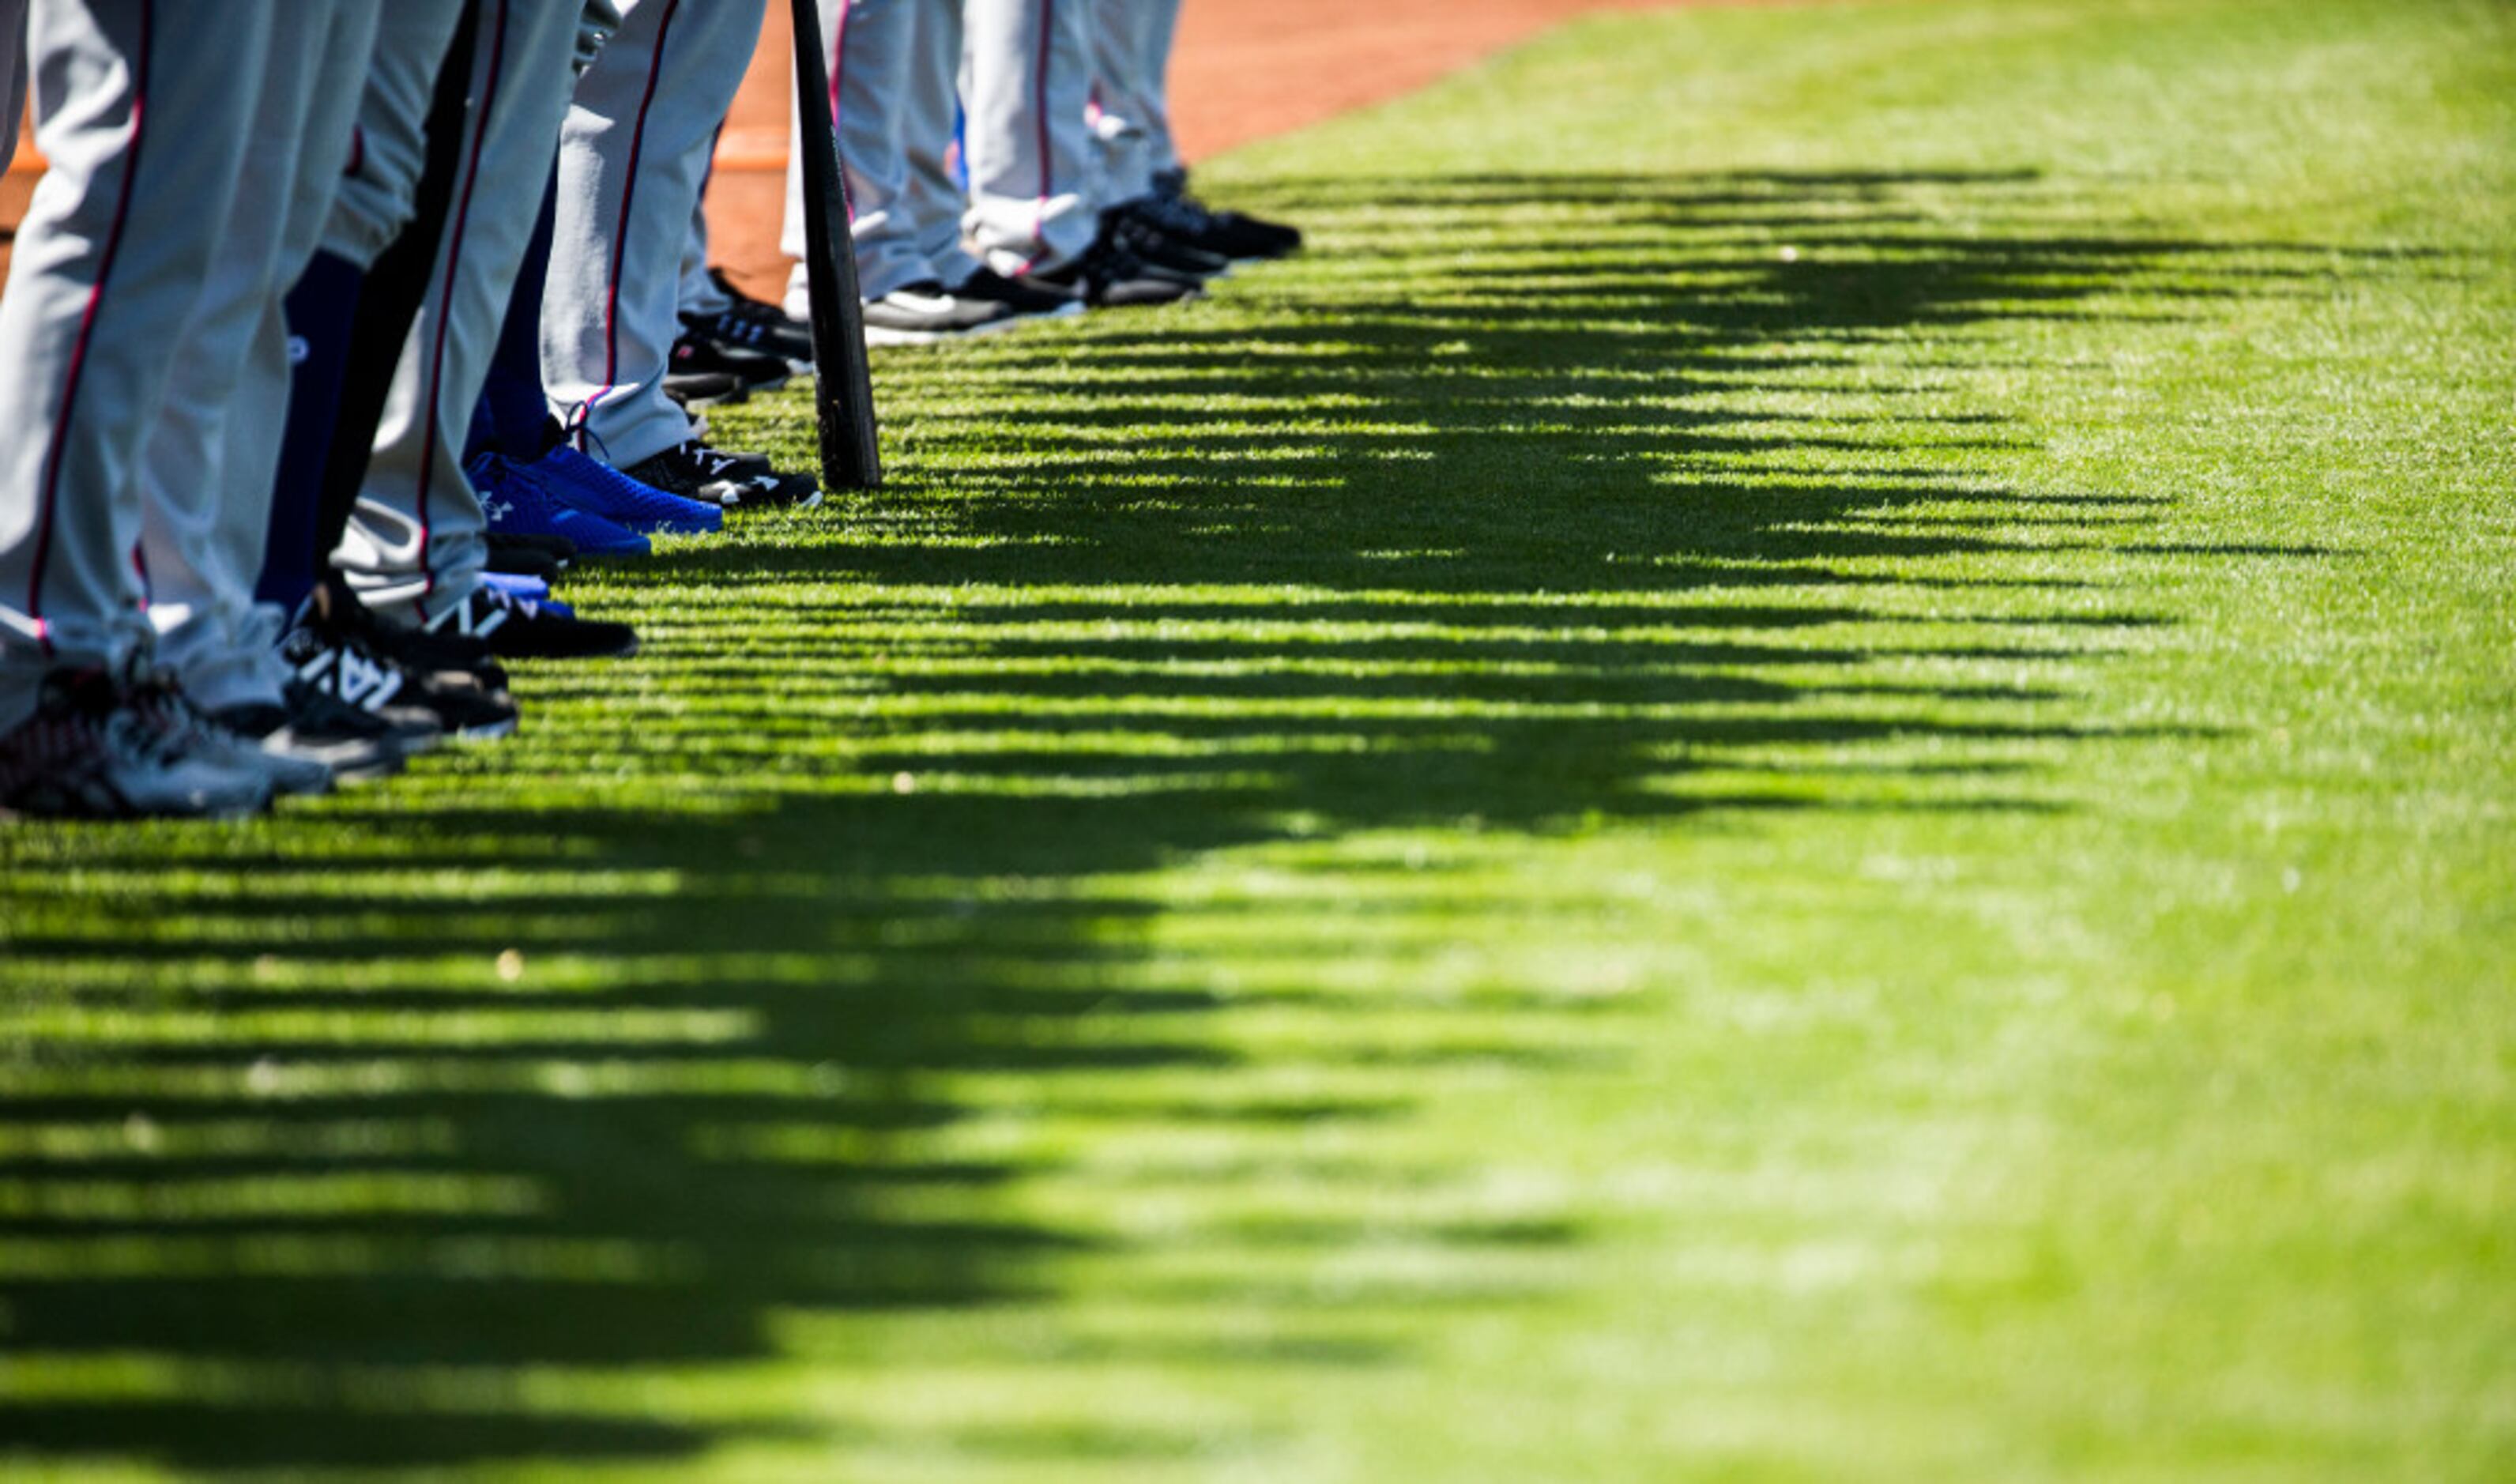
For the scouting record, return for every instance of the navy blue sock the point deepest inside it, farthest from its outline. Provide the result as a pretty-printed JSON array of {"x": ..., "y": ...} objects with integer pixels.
[
  {"x": 512, "y": 416},
  {"x": 321, "y": 310}
]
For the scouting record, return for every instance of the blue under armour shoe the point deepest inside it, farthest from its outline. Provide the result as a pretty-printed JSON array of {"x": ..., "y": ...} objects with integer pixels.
[
  {"x": 518, "y": 503},
  {"x": 597, "y": 488}
]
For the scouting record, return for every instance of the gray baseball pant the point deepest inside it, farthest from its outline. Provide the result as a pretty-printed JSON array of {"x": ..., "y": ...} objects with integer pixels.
[{"x": 378, "y": 194}]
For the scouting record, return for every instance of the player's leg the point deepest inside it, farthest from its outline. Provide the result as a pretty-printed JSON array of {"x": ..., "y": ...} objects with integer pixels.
[
  {"x": 1035, "y": 215},
  {"x": 352, "y": 312},
  {"x": 1027, "y": 75},
  {"x": 637, "y": 143},
  {"x": 1136, "y": 87},
  {"x": 700, "y": 293},
  {"x": 417, "y": 543},
  {"x": 533, "y": 485},
  {"x": 1150, "y": 90},
  {"x": 934, "y": 198},
  {"x": 211, "y": 455},
  {"x": 874, "y": 48},
  {"x": 934, "y": 201},
  {"x": 1130, "y": 50},
  {"x": 717, "y": 313},
  {"x": 415, "y": 127},
  {"x": 143, "y": 110}
]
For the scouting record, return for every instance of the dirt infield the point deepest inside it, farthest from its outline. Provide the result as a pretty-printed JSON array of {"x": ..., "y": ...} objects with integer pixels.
[{"x": 1244, "y": 69}]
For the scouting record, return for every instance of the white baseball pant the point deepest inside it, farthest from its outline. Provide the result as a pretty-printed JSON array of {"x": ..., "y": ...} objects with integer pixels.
[
  {"x": 207, "y": 469},
  {"x": 634, "y": 150},
  {"x": 1027, "y": 75},
  {"x": 417, "y": 540},
  {"x": 1131, "y": 120},
  {"x": 143, "y": 109},
  {"x": 895, "y": 66}
]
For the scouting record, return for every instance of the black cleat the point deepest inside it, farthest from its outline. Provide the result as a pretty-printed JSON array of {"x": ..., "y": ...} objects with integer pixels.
[
  {"x": 1109, "y": 277},
  {"x": 754, "y": 325},
  {"x": 735, "y": 480},
  {"x": 923, "y": 313},
  {"x": 355, "y": 745},
  {"x": 520, "y": 628},
  {"x": 1137, "y": 232},
  {"x": 336, "y": 666},
  {"x": 988, "y": 286},
  {"x": 1228, "y": 232},
  {"x": 696, "y": 356}
]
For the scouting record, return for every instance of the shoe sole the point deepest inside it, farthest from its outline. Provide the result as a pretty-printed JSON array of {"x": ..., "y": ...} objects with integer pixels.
[
  {"x": 813, "y": 503},
  {"x": 878, "y": 336}
]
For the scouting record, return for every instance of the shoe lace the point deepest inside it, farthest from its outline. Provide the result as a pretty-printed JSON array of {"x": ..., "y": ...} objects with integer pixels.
[{"x": 576, "y": 425}]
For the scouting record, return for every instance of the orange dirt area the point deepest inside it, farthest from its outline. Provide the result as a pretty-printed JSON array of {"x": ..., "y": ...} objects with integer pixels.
[{"x": 1243, "y": 69}]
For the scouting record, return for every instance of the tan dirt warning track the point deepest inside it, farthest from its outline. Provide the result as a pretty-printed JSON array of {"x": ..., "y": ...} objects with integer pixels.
[{"x": 1244, "y": 69}]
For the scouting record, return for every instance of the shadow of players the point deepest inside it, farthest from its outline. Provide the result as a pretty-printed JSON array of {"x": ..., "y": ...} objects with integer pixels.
[{"x": 413, "y": 1128}]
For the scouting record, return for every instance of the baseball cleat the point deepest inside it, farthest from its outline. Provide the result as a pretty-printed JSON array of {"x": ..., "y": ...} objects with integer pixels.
[
  {"x": 754, "y": 325},
  {"x": 520, "y": 628},
  {"x": 1229, "y": 232},
  {"x": 923, "y": 313},
  {"x": 1109, "y": 277},
  {"x": 90, "y": 752},
  {"x": 596, "y": 489},
  {"x": 727, "y": 480},
  {"x": 518, "y": 504},
  {"x": 989, "y": 286},
  {"x": 695, "y": 354}
]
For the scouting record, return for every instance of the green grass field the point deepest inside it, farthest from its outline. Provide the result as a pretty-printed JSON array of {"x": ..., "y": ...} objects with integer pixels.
[{"x": 1799, "y": 768}]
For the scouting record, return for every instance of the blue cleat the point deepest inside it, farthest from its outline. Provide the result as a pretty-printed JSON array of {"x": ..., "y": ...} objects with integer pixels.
[
  {"x": 597, "y": 488},
  {"x": 518, "y": 503}
]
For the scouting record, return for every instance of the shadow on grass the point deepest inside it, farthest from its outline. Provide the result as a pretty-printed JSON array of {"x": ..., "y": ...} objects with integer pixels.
[{"x": 335, "y": 1145}]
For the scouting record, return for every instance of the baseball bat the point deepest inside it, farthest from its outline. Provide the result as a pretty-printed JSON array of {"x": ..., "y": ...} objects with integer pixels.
[{"x": 843, "y": 380}]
